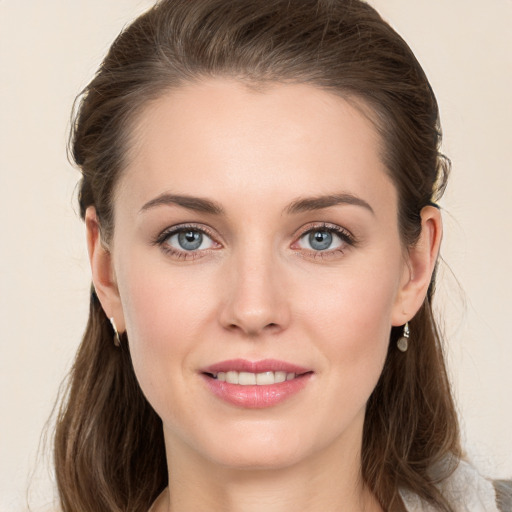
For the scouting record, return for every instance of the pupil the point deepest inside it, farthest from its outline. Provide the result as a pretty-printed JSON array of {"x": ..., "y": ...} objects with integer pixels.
[{"x": 320, "y": 240}]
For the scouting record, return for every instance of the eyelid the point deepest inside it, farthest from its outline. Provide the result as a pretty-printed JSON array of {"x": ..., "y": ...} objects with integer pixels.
[
  {"x": 327, "y": 226},
  {"x": 164, "y": 235},
  {"x": 344, "y": 234},
  {"x": 171, "y": 230}
]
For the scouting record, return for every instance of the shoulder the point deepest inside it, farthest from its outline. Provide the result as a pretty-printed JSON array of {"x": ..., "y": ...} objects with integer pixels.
[{"x": 467, "y": 491}]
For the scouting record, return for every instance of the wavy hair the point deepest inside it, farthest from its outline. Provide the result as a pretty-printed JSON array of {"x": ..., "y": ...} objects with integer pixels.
[{"x": 109, "y": 447}]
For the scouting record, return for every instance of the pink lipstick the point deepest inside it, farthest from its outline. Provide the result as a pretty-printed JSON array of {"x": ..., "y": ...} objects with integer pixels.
[{"x": 256, "y": 384}]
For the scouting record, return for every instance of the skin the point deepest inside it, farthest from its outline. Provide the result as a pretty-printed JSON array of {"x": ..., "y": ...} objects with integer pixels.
[{"x": 257, "y": 289}]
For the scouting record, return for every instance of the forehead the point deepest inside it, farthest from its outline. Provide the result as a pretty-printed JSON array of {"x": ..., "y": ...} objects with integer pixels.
[{"x": 219, "y": 137}]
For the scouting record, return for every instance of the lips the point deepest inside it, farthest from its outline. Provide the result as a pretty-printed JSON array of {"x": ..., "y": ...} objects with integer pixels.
[
  {"x": 265, "y": 365},
  {"x": 255, "y": 384}
]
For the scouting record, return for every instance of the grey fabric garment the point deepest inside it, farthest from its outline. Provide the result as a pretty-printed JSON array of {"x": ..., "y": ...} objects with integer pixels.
[
  {"x": 466, "y": 491},
  {"x": 503, "y": 490}
]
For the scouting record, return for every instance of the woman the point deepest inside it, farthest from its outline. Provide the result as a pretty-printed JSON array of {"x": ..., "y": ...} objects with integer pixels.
[{"x": 259, "y": 187}]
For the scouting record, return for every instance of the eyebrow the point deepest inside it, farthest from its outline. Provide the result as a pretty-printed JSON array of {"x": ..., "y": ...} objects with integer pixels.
[
  {"x": 320, "y": 202},
  {"x": 200, "y": 204},
  {"x": 197, "y": 204}
]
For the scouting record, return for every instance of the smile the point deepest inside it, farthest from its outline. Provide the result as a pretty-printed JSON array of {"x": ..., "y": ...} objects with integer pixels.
[
  {"x": 254, "y": 379},
  {"x": 255, "y": 385}
]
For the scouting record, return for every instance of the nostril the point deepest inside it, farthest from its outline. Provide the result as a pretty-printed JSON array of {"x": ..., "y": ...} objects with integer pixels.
[{"x": 253, "y": 330}]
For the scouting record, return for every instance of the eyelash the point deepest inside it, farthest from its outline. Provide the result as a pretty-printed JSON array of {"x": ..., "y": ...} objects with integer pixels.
[
  {"x": 344, "y": 235},
  {"x": 348, "y": 240},
  {"x": 162, "y": 238}
]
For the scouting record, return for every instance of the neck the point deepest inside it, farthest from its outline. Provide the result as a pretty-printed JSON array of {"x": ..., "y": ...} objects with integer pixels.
[{"x": 324, "y": 482}]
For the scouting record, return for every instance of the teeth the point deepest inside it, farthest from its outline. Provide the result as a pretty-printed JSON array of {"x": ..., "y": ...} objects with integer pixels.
[
  {"x": 232, "y": 377},
  {"x": 281, "y": 376},
  {"x": 265, "y": 379},
  {"x": 251, "y": 379},
  {"x": 246, "y": 379}
]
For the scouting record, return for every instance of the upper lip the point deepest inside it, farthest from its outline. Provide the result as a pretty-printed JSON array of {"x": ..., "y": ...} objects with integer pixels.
[{"x": 264, "y": 365}]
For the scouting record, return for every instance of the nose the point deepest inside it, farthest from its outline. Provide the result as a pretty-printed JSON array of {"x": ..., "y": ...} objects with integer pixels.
[{"x": 255, "y": 296}]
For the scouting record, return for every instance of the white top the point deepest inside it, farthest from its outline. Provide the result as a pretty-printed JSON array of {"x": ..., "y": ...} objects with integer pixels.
[{"x": 466, "y": 491}]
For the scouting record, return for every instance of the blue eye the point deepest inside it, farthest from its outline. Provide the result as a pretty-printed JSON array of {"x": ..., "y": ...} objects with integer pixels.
[
  {"x": 320, "y": 240},
  {"x": 188, "y": 239},
  {"x": 325, "y": 239}
]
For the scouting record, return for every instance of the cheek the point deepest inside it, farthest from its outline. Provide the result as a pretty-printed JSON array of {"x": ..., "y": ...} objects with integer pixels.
[
  {"x": 355, "y": 303},
  {"x": 355, "y": 337},
  {"x": 160, "y": 304},
  {"x": 350, "y": 318},
  {"x": 162, "y": 314}
]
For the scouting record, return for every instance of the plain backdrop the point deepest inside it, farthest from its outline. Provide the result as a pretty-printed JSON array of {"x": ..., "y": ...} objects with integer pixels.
[{"x": 49, "y": 51}]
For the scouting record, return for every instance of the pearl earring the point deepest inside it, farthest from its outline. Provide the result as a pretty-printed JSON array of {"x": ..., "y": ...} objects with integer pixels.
[{"x": 403, "y": 341}]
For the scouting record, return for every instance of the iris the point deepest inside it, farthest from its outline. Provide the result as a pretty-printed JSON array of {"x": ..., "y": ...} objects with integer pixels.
[
  {"x": 190, "y": 240},
  {"x": 320, "y": 240}
]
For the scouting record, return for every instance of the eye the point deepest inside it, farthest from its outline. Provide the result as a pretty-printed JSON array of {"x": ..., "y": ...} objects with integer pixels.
[
  {"x": 320, "y": 240},
  {"x": 186, "y": 241},
  {"x": 325, "y": 238},
  {"x": 189, "y": 240}
]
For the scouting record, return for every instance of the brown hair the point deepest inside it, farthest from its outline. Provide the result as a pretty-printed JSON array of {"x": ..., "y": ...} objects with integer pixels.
[{"x": 109, "y": 448}]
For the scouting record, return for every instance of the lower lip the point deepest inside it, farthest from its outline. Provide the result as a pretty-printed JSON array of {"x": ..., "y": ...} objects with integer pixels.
[{"x": 256, "y": 397}]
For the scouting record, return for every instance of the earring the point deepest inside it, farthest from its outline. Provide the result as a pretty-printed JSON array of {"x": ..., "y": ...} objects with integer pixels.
[
  {"x": 117, "y": 338},
  {"x": 403, "y": 341}
]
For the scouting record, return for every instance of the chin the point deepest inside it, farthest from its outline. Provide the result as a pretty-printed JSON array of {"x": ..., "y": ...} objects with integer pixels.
[{"x": 265, "y": 449}]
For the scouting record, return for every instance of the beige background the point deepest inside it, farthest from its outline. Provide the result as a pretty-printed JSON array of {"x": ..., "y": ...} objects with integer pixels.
[{"x": 50, "y": 49}]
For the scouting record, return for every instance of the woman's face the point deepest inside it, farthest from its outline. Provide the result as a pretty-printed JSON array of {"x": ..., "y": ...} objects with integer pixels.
[{"x": 256, "y": 233}]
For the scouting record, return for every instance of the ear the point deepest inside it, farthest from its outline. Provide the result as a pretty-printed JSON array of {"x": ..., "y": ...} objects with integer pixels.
[
  {"x": 103, "y": 275},
  {"x": 421, "y": 260}
]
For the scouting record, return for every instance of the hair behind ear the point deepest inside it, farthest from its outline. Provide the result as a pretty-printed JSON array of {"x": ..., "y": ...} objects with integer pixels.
[
  {"x": 411, "y": 425},
  {"x": 107, "y": 434}
]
